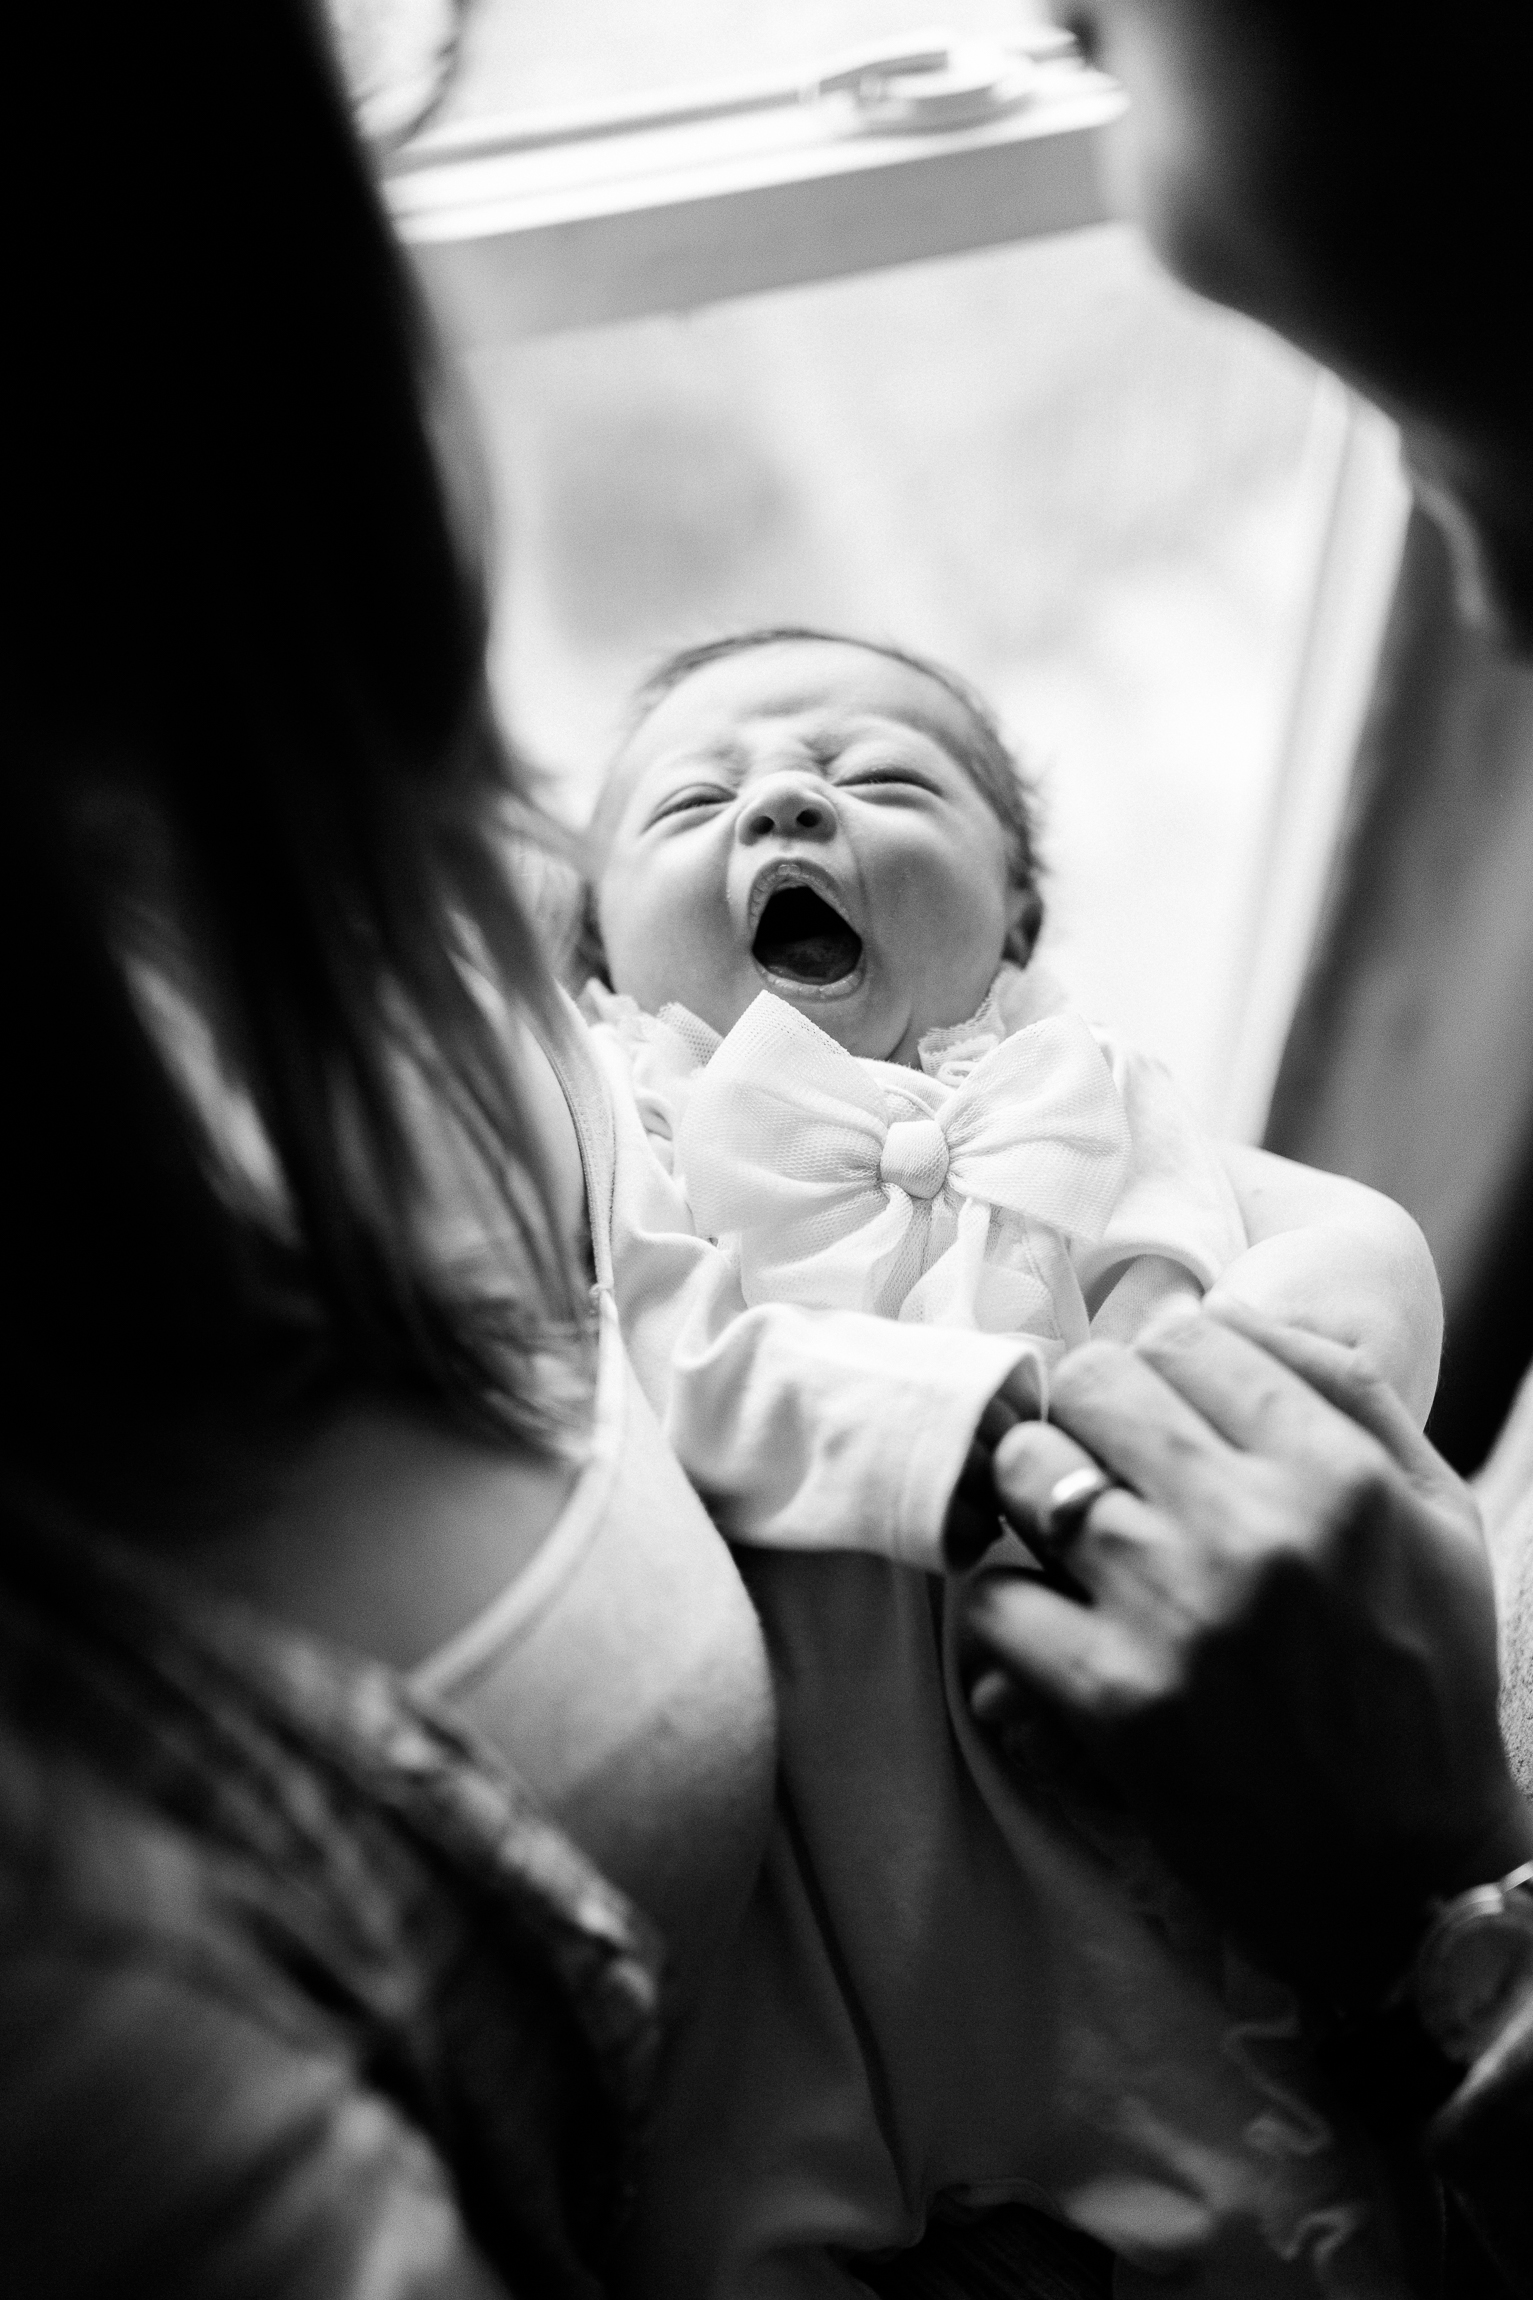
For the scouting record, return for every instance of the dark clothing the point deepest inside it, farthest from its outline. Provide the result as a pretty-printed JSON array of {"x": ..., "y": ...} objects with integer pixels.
[
  {"x": 298, "y": 1992},
  {"x": 1483, "y": 2143},
  {"x": 299, "y": 1996},
  {"x": 1409, "y": 1063}
]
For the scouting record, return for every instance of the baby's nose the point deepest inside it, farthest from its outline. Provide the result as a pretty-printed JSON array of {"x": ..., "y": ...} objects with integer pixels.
[{"x": 787, "y": 807}]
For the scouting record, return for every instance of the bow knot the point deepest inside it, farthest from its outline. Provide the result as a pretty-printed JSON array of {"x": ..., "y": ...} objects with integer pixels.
[
  {"x": 914, "y": 1157},
  {"x": 844, "y": 1179}
]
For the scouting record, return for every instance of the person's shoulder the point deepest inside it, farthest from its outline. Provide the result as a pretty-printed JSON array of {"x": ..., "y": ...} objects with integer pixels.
[
  {"x": 94, "y": 1877},
  {"x": 139, "y": 2028},
  {"x": 175, "y": 2117}
]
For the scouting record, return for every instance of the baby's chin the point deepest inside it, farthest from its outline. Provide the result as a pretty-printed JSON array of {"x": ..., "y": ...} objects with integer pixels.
[
  {"x": 892, "y": 1030},
  {"x": 844, "y": 1014},
  {"x": 857, "y": 1019},
  {"x": 869, "y": 1019}
]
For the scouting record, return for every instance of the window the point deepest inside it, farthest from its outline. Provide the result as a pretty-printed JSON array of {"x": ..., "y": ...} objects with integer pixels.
[
  {"x": 1160, "y": 541},
  {"x": 586, "y": 54}
]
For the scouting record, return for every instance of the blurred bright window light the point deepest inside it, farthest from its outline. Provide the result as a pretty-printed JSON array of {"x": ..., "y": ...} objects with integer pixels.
[
  {"x": 1158, "y": 539},
  {"x": 518, "y": 55}
]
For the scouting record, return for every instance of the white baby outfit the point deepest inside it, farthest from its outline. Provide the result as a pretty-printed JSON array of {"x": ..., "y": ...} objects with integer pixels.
[
  {"x": 958, "y": 1982},
  {"x": 1002, "y": 1185}
]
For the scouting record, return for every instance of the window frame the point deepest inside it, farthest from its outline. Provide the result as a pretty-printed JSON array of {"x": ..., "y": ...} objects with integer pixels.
[
  {"x": 535, "y": 225},
  {"x": 528, "y": 227},
  {"x": 1367, "y": 500}
]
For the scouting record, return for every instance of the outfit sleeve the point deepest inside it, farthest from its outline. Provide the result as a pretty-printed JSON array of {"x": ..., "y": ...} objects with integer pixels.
[
  {"x": 1177, "y": 1225},
  {"x": 158, "y": 2135},
  {"x": 800, "y": 1428}
]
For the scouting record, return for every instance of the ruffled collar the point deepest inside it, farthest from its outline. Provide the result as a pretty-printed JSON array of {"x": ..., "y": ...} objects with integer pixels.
[
  {"x": 634, "y": 1027},
  {"x": 1018, "y": 996}
]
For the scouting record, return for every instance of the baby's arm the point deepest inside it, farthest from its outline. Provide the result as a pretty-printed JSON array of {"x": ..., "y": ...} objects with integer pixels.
[
  {"x": 801, "y": 1428},
  {"x": 1341, "y": 1260}
]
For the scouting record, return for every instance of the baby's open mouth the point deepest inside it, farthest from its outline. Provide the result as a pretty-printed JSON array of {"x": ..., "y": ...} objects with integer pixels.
[{"x": 801, "y": 939}]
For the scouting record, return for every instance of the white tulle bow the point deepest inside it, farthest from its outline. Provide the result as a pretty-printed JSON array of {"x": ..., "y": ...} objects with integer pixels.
[{"x": 844, "y": 1178}]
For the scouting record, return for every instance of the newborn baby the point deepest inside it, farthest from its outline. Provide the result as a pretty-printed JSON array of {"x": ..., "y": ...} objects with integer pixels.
[{"x": 888, "y": 1177}]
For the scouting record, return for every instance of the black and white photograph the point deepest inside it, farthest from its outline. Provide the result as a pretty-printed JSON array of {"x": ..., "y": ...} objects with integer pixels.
[{"x": 766, "y": 1496}]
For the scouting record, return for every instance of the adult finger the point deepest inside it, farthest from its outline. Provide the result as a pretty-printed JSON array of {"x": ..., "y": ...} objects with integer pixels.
[
  {"x": 1028, "y": 1466},
  {"x": 1344, "y": 1377},
  {"x": 1139, "y": 1428},
  {"x": 1243, "y": 1390},
  {"x": 1038, "y": 1454},
  {"x": 1033, "y": 1463},
  {"x": 1042, "y": 1640},
  {"x": 1100, "y": 1552}
]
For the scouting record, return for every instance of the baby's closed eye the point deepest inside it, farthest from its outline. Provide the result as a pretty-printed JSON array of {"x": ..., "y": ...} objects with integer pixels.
[
  {"x": 891, "y": 775},
  {"x": 693, "y": 799}
]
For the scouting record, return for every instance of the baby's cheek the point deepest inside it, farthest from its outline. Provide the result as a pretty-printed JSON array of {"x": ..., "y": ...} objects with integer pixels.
[
  {"x": 665, "y": 952},
  {"x": 953, "y": 954}
]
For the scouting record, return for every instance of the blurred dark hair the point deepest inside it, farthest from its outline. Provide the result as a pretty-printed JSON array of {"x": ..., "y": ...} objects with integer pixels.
[
  {"x": 1000, "y": 777},
  {"x": 257, "y": 803}
]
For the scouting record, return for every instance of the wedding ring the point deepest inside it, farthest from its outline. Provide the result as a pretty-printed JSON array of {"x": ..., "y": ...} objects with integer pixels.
[{"x": 1071, "y": 1499}]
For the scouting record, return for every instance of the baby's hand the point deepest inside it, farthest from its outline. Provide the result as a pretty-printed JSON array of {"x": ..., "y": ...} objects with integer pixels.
[
  {"x": 1336, "y": 1259},
  {"x": 973, "y": 1520}
]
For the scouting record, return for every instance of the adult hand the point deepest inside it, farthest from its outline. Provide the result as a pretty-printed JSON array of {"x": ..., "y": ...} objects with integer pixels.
[{"x": 1284, "y": 1645}]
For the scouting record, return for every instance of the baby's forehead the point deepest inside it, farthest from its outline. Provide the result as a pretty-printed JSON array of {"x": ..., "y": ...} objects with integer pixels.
[
  {"x": 808, "y": 678},
  {"x": 824, "y": 685}
]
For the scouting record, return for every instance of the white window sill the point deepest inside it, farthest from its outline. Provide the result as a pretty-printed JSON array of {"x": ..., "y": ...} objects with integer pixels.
[{"x": 547, "y": 235}]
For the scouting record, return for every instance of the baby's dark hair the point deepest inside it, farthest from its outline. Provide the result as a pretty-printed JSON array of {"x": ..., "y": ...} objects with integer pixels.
[{"x": 1000, "y": 777}]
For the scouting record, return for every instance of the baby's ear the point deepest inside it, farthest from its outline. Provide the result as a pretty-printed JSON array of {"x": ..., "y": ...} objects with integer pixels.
[{"x": 1026, "y": 908}]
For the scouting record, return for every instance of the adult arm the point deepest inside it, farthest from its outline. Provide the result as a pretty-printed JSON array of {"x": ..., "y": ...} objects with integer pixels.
[{"x": 1281, "y": 1641}]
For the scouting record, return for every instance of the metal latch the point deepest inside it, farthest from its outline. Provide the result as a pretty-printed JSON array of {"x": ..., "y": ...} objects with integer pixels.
[
  {"x": 934, "y": 81},
  {"x": 927, "y": 81}
]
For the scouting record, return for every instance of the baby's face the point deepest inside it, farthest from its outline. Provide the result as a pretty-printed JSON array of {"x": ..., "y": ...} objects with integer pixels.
[{"x": 796, "y": 819}]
